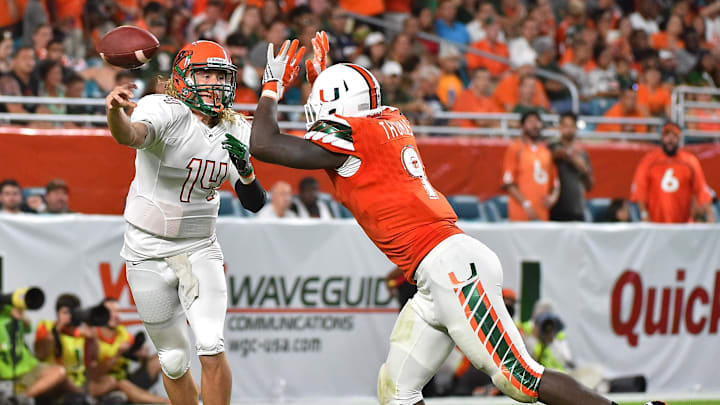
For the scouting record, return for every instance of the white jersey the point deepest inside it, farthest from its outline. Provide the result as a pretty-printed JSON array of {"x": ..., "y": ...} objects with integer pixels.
[{"x": 173, "y": 203}]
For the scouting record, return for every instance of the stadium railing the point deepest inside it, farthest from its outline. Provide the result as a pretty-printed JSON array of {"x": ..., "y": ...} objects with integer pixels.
[
  {"x": 682, "y": 108},
  {"x": 501, "y": 124}
]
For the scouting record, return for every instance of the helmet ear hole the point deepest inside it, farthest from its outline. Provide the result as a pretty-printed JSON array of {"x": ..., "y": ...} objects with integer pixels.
[{"x": 332, "y": 111}]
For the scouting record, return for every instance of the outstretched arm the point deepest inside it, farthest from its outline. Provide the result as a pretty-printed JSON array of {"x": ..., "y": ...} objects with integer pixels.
[
  {"x": 267, "y": 143},
  {"x": 124, "y": 132}
]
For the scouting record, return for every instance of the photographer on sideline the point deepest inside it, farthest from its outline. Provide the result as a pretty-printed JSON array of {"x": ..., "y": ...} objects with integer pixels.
[
  {"x": 70, "y": 342},
  {"x": 30, "y": 377},
  {"x": 116, "y": 348}
]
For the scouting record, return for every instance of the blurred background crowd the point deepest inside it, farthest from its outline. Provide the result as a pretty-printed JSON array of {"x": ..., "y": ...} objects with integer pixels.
[{"x": 624, "y": 56}]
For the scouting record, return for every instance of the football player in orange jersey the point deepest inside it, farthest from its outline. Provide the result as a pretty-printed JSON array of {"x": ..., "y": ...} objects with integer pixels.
[
  {"x": 669, "y": 183},
  {"x": 369, "y": 152}
]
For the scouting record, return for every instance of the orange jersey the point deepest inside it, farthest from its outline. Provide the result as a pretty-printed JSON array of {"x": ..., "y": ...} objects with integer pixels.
[
  {"x": 384, "y": 184},
  {"x": 616, "y": 111},
  {"x": 654, "y": 100},
  {"x": 667, "y": 184},
  {"x": 495, "y": 68},
  {"x": 661, "y": 40},
  {"x": 530, "y": 167},
  {"x": 506, "y": 93},
  {"x": 468, "y": 101}
]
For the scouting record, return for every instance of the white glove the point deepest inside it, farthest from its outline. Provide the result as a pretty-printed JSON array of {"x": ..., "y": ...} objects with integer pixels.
[{"x": 281, "y": 70}]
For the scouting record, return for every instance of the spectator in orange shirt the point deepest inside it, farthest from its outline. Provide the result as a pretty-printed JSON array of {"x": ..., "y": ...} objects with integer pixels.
[
  {"x": 476, "y": 98},
  {"x": 506, "y": 94},
  {"x": 529, "y": 175},
  {"x": 626, "y": 107},
  {"x": 490, "y": 44},
  {"x": 210, "y": 24},
  {"x": 449, "y": 85},
  {"x": 704, "y": 113},
  {"x": 670, "y": 38},
  {"x": 653, "y": 98},
  {"x": 669, "y": 184}
]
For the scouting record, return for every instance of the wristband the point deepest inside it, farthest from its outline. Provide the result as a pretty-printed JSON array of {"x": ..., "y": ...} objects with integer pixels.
[
  {"x": 249, "y": 179},
  {"x": 270, "y": 89}
]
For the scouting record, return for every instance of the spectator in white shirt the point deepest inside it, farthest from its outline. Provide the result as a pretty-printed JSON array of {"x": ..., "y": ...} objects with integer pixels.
[
  {"x": 280, "y": 199},
  {"x": 307, "y": 204},
  {"x": 645, "y": 18},
  {"x": 711, "y": 15},
  {"x": 576, "y": 67},
  {"x": 605, "y": 85},
  {"x": 520, "y": 48}
]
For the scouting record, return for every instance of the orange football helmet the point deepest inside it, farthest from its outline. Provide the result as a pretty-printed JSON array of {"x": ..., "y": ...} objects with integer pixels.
[{"x": 204, "y": 55}]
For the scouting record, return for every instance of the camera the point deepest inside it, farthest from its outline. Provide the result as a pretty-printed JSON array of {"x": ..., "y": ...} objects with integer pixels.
[
  {"x": 137, "y": 345},
  {"x": 93, "y": 316},
  {"x": 24, "y": 298}
]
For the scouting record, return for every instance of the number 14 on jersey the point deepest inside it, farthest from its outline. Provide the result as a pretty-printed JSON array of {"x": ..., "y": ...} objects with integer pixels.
[{"x": 213, "y": 175}]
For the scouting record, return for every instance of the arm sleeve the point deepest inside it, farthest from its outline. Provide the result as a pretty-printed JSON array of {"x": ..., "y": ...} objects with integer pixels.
[
  {"x": 639, "y": 191},
  {"x": 510, "y": 165},
  {"x": 157, "y": 112},
  {"x": 252, "y": 196},
  {"x": 333, "y": 134}
]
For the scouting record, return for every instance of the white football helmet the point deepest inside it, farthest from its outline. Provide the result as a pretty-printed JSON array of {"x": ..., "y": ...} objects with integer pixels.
[{"x": 344, "y": 89}]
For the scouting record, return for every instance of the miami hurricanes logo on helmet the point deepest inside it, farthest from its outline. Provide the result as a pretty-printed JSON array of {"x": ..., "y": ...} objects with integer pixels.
[{"x": 336, "y": 96}]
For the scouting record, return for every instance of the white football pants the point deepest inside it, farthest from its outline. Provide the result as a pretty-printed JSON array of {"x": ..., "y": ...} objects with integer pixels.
[
  {"x": 459, "y": 302},
  {"x": 155, "y": 288}
]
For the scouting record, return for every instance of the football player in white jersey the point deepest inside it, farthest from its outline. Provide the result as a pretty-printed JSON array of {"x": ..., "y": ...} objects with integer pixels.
[{"x": 174, "y": 262}]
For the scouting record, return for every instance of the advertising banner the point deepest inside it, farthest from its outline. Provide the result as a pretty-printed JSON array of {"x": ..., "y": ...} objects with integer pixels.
[{"x": 309, "y": 315}]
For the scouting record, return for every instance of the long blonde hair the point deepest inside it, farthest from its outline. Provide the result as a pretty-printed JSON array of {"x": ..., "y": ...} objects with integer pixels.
[{"x": 227, "y": 114}]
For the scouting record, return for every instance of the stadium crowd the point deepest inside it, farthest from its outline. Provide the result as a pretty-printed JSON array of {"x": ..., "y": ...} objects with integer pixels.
[{"x": 624, "y": 56}]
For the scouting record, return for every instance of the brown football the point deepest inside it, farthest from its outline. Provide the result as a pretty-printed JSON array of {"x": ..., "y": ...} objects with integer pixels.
[{"x": 128, "y": 47}]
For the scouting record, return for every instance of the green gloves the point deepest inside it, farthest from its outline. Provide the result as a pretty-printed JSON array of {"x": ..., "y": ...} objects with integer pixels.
[{"x": 238, "y": 154}]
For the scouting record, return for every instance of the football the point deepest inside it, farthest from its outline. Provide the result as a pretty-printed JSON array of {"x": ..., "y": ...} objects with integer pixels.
[{"x": 128, "y": 47}]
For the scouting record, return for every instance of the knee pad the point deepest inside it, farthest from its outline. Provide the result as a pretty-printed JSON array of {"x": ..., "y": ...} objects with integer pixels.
[
  {"x": 208, "y": 344},
  {"x": 174, "y": 362}
]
